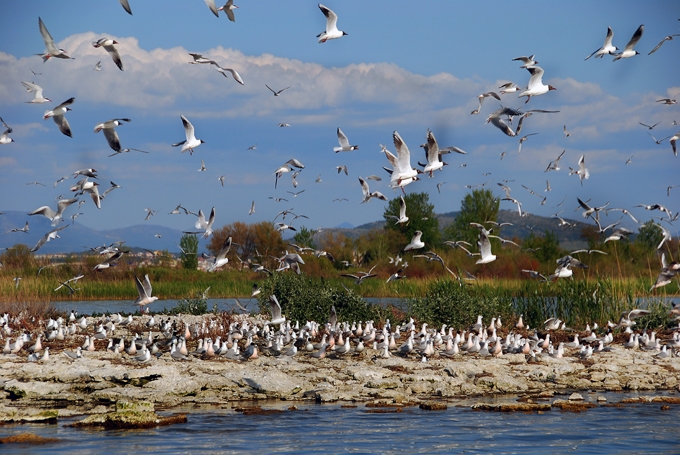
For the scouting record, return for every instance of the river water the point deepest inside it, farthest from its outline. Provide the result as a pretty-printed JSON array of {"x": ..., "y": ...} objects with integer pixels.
[{"x": 330, "y": 428}]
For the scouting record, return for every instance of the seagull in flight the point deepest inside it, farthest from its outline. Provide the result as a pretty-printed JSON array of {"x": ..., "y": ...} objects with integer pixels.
[
  {"x": 191, "y": 142},
  {"x": 536, "y": 86},
  {"x": 144, "y": 291},
  {"x": 52, "y": 50},
  {"x": 344, "y": 143},
  {"x": 607, "y": 48},
  {"x": 368, "y": 194},
  {"x": 629, "y": 51},
  {"x": 331, "y": 31},
  {"x": 275, "y": 92},
  {"x": 656, "y": 48},
  {"x": 50, "y": 214},
  {"x": 53, "y": 234},
  {"x": 57, "y": 115},
  {"x": 201, "y": 223},
  {"x": 35, "y": 88},
  {"x": 4, "y": 137},
  {"x": 107, "y": 44}
]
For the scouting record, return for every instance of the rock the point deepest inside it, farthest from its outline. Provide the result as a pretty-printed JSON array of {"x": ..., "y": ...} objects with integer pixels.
[
  {"x": 574, "y": 406},
  {"x": 130, "y": 415},
  {"x": 433, "y": 406},
  {"x": 511, "y": 407},
  {"x": 27, "y": 438},
  {"x": 575, "y": 397}
]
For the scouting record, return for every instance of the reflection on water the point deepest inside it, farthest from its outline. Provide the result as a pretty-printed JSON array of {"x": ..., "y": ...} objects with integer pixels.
[{"x": 332, "y": 429}]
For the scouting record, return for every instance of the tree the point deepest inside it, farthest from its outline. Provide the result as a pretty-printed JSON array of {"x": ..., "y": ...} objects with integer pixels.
[
  {"x": 649, "y": 235},
  {"x": 476, "y": 207},
  {"x": 189, "y": 255},
  {"x": 546, "y": 248},
  {"x": 421, "y": 217},
  {"x": 304, "y": 237},
  {"x": 249, "y": 240}
]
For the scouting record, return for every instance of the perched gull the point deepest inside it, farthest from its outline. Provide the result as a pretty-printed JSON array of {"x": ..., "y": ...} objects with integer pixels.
[
  {"x": 344, "y": 143},
  {"x": 52, "y": 50},
  {"x": 35, "y": 88},
  {"x": 107, "y": 44},
  {"x": 628, "y": 51},
  {"x": 144, "y": 290},
  {"x": 607, "y": 48},
  {"x": 331, "y": 31},
  {"x": 50, "y": 214},
  {"x": 536, "y": 86},
  {"x": 57, "y": 115},
  {"x": 368, "y": 194},
  {"x": 191, "y": 142}
]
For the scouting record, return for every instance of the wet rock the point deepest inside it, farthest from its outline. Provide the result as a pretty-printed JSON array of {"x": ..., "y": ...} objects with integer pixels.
[
  {"x": 433, "y": 406},
  {"x": 574, "y": 406},
  {"x": 511, "y": 407},
  {"x": 575, "y": 397},
  {"x": 129, "y": 415},
  {"x": 27, "y": 438}
]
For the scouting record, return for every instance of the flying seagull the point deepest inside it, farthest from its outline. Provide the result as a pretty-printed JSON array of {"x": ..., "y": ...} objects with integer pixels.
[
  {"x": 107, "y": 44},
  {"x": 607, "y": 48},
  {"x": 331, "y": 31},
  {"x": 344, "y": 143},
  {"x": 190, "y": 143},
  {"x": 57, "y": 115},
  {"x": 275, "y": 92},
  {"x": 52, "y": 50},
  {"x": 629, "y": 51}
]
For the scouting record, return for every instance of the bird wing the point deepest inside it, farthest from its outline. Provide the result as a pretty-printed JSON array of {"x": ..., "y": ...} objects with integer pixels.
[
  {"x": 126, "y": 6},
  {"x": 140, "y": 288},
  {"x": 213, "y": 8},
  {"x": 536, "y": 76},
  {"x": 112, "y": 138},
  {"x": 275, "y": 307},
  {"x": 342, "y": 139},
  {"x": 113, "y": 52},
  {"x": 188, "y": 129},
  {"x": 47, "y": 38},
  {"x": 635, "y": 38},
  {"x": 331, "y": 18}
]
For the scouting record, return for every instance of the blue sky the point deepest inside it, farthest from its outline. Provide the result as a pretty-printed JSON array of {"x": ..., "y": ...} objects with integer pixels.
[{"x": 404, "y": 66}]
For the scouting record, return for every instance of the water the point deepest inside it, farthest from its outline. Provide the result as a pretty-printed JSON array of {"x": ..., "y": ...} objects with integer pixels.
[
  {"x": 315, "y": 428},
  {"x": 126, "y": 306}
]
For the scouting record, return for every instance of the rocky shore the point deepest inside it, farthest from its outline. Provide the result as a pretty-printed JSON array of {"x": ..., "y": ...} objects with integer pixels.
[{"x": 93, "y": 384}]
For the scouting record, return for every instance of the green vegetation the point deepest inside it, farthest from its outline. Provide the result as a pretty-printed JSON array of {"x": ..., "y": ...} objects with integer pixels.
[
  {"x": 421, "y": 217},
  {"x": 189, "y": 256},
  {"x": 476, "y": 207}
]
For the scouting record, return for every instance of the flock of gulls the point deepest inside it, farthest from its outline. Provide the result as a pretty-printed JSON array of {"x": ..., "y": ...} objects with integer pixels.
[{"x": 337, "y": 338}]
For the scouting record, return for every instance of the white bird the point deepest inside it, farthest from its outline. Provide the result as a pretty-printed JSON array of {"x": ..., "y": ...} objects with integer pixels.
[
  {"x": 110, "y": 133},
  {"x": 402, "y": 172},
  {"x": 126, "y": 6},
  {"x": 344, "y": 143},
  {"x": 191, "y": 142},
  {"x": 629, "y": 51},
  {"x": 97, "y": 66},
  {"x": 57, "y": 115},
  {"x": 331, "y": 31},
  {"x": 536, "y": 86},
  {"x": 35, "y": 88},
  {"x": 275, "y": 309},
  {"x": 528, "y": 61},
  {"x": 368, "y": 194},
  {"x": 221, "y": 258},
  {"x": 213, "y": 7},
  {"x": 233, "y": 72},
  {"x": 201, "y": 223},
  {"x": 402, "y": 218},
  {"x": 673, "y": 141},
  {"x": 107, "y": 44},
  {"x": 582, "y": 171},
  {"x": 52, "y": 50},
  {"x": 144, "y": 291},
  {"x": 53, "y": 234},
  {"x": 415, "y": 243},
  {"x": 252, "y": 208},
  {"x": 607, "y": 48},
  {"x": 484, "y": 245},
  {"x": 668, "y": 38},
  {"x": 433, "y": 155},
  {"x": 4, "y": 137},
  {"x": 228, "y": 9},
  {"x": 509, "y": 87},
  {"x": 50, "y": 214},
  {"x": 203, "y": 168}
]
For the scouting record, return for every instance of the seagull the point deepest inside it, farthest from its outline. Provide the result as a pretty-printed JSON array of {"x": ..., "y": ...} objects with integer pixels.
[
  {"x": 144, "y": 291},
  {"x": 342, "y": 169},
  {"x": 228, "y": 9},
  {"x": 53, "y": 234},
  {"x": 535, "y": 274},
  {"x": 126, "y": 6},
  {"x": 201, "y": 223},
  {"x": 415, "y": 243},
  {"x": 566, "y": 133},
  {"x": 673, "y": 140},
  {"x": 107, "y": 44},
  {"x": 555, "y": 165},
  {"x": 35, "y": 88},
  {"x": 666, "y": 101},
  {"x": 50, "y": 214},
  {"x": 433, "y": 154},
  {"x": 191, "y": 142},
  {"x": 402, "y": 173},
  {"x": 628, "y": 51},
  {"x": 607, "y": 48},
  {"x": 528, "y": 61},
  {"x": 536, "y": 86},
  {"x": 252, "y": 208},
  {"x": 668, "y": 38},
  {"x": 495, "y": 119},
  {"x": 331, "y": 31},
  {"x": 619, "y": 234},
  {"x": 252, "y": 147},
  {"x": 98, "y": 66},
  {"x": 284, "y": 125},
  {"x": 220, "y": 178},
  {"x": 203, "y": 168},
  {"x": 110, "y": 133},
  {"x": 582, "y": 171},
  {"x": 509, "y": 87},
  {"x": 650, "y": 127},
  {"x": 480, "y": 99},
  {"x": 213, "y": 7},
  {"x": 276, "y": 93},
  {"x": 4, "y": 137},
  {"x": 402, "y": 218},
  {"x": 57, "y": 115},
  {"x": 221, "y": 258},
  {"x": 368, "y": 194},
  {"x": 484, "y": 245},
  {"x": 522, "y": 139},
  {"x": 275, "y": 309},
  {"x": 23, "y": 229},
  {"x": 52, "y": 50},
  {"x": 344, "y": 143},
  {"x": 287, "y": 167},
  {"x": 233, "y": 72},
  {"x": 668, "y": 271}
]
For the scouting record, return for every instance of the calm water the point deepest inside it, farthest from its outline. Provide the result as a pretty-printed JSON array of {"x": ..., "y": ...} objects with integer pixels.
[{"x": 640, "y": 428}]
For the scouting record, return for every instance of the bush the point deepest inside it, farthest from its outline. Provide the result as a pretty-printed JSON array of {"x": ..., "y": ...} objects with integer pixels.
[
  {"x": 305, "y": 299},
  {"x": 197, "y": 307}
]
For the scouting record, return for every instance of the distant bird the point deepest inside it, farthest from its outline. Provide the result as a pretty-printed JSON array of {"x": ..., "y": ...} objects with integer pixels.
[
  {"x": 535, "y": 274},
  {"x": 629, "y": 51},
  {"x": 415, "y": 243},
  {"x": 252, "y": 147},
  {"x": 284, "y": 125},
  {"x": 97, "y": 66},
  {"x": 203, "y": 168},
  {"x": 344, "y": 143},
  {"x": 342, "y": 168},
  {"x": 221, "y": 179},
  {"x": 656, "y": 48},
  {"x": 57, "y": 115},
  {"x": 619, "y": 234},
  {"x": 555, "y": 165},
  {"x": 607, "y": 48},
  {"x": 509, "y": 87},
  {"x": 110, "y": 133},
  {"x": 673, "y": 140},
  {"x": 480, "y": 99},
  {"x": 331, "y": 31},
  {"x": 566, "y": 133},
  {"x": 522, "y": 139},
  {"x": 398, "y": 275},
  {"x": 206, "y": 226},
  {"x": 368, "y": 194},
  {"x": 144, "y": 291},
  {"x": 233, "y": 72},
  {"x": 53, "y": 234},
  {"x": 107, "y": 44},
  {"x": 4, "y": 137},
  {"x": 536, "y": 86},
  {"x": 649, "y": 127},
  {"x": 190, "y": 143},
  {"x": 52, "y": 50},
  {"x": 252, "y": 208},
  {"x": 667, "y": 101},
  {"x": 582, "y": 170},
  {"x": 23, "y": 229},
  {"x": 287, "y": 167},
  {"x": 276, "y": 92},
  {"x": 50, "y": 214},
  {"x": 35, "y": 88},
  {"x": 228, "y": 9},
  {"x": 126, "y": 6}
]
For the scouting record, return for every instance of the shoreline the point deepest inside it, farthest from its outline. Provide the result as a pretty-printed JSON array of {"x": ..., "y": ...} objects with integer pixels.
[{"x": 94, "y": 384}]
